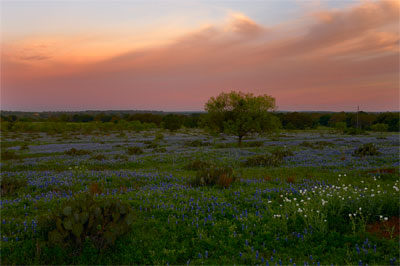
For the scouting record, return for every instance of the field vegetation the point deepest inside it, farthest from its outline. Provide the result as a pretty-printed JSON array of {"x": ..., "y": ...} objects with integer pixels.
[
  {"x": 109, "y": 189},
  {"x": 202, "y": 200}
]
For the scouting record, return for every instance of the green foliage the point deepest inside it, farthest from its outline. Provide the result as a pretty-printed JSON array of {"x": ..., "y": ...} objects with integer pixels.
[
  {"x": 98, "y": 157},
  {"x": 282, "y": 152},
  {"x": 122, "y": 157},
  {"x": 134, "y": 150},
  {"x": 316, "y": 145},
  {"x": 152, "y": 145},
  {"x": 24, "y": 147},
  {"x": 252, "y": 144},
  {"x": 222, "y": 176},
  {"x": 367, "y": 149},
  {"x": 10, "y": 185},
  {"x": 9, "y": 155},
  {"x": 341, "y": 126},
  {"x": 380, "y": 127},
  {"x": 159, "y": 136},
  {"x": 83, "y": 217},
  {"x": 239, "y": 114},
  {"x": 76, "y": 152},
  {"x": 197, "y": 165},
  {"x": 172, "y": 122},
  {"x": 196, "y": 143},
  {"x": 274, "y": 159},
  {"x": 354, "y": 131},
  {"x": 295, "y": 120},
  {"x": 263, "y": 160},
  {"x": 160, "y": 149}
]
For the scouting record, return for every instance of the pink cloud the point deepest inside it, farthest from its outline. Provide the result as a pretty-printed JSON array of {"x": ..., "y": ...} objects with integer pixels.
[{"x": 343, "y": 59}]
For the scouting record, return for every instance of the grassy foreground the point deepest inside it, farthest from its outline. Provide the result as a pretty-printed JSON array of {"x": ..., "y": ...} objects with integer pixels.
[{"x": 322, "y": 203}]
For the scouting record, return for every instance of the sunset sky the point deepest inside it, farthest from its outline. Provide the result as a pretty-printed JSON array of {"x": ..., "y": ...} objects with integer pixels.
[{"x": 174, "y": 55}]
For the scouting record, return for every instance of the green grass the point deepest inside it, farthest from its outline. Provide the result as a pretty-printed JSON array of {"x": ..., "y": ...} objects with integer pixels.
[{"x": 177, "y": 224}]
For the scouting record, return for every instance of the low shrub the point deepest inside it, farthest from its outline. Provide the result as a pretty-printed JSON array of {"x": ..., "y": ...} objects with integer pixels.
[
  {"x": 85, "y": 218},
  {"x": 160, "y": 149},
  {"x": 10, "y": 185},
  {"x": 367, "y": 149},
  {"x": 152, "y": 145},
  {"x": 134, "y": 150},
  {"x": 197, "y": 165},
  {"x": 251, "y": 144},
  {"x": 196, "y": 143},
  {"x": 24, "y": 147},
  {"x": 282, "y": 152},
  {"x": 263, "y": 160},
  {"x": 76, "y": 152},
  {"x": 316, "y": 145},
  {"x": 9, "y": 155},
  {"x": 221, "y": 176},
  {"x": 121, "y": 157},
  {"x": 247, "y": 144},
  {"x": 99, "y": 157},
  {"x": 354, "y": 131},
  {"x": 159, "y": 136}
]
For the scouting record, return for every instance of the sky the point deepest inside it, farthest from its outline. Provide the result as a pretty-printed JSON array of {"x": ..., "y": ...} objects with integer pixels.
[{"x": 310, "y": 55}]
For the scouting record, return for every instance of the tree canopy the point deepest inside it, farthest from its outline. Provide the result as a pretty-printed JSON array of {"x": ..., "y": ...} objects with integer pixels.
[{"x": 241, "y": 113}]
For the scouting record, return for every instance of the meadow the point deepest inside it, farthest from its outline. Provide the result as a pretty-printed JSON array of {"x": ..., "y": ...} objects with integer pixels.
[{"x": 314, "y": 197}]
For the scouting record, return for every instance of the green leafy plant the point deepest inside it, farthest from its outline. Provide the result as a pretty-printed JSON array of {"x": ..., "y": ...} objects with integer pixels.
[
  {"x": 86, "y": 218},
  {"x": 9, "y": 155},
  {"x": 98, "y": 157},
  {"x": 196, "y": 143},
  {"x": 197, "y": 165},
  {"x": 76, "y": 152},
  {"x": 282, "y": 152},
  {"x": 222, "y": 176},
  {"x": 367, "y": 149},
  {"x": 9, "y": 185},
  {"x": 263, "y": 160},
  {"x": 134, "y": 150}
]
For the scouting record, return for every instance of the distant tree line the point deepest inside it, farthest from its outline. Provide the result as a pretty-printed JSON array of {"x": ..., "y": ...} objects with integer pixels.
[{"x": 387, "y": 121}]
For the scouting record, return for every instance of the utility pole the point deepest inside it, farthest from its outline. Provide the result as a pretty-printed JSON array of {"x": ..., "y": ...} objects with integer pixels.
[{"x": 358, "y": 110}]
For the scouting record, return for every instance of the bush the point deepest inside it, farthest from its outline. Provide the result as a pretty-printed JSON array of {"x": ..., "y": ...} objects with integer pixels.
[
  {"x": 282, "y": 152},
  {"x": 160, "y": 149},
  {"x": 354, "y": 131},
  {"x": 214, "y": 176},
  {"x": 196, "y": 143},
  {"x": 366, "y": 149},
  {"x": 152, "y": 145},
  {"x": 263, "y": 160},
  {"x": 134, "y": 150},
  {"x": 172, "y": 122},
  {"x": 247, "y": 144},
  {"x": 24, "y": 147},
  {"x": 316, "y": 145},
  {"x": 85, "y": 218},
  {"x": 9, "y": 185},
  {"x": 380, "y": 127},
  {"x": 76, "y": 152},
  {"x": 159, "y": 136},
  {"x": 251, "y": 144},
  {"x": 9, "y": 155},
  {"x": 98, "y": 157},
  {"x": 122, "y": 157},
  {"x": 197, "y": 165}
]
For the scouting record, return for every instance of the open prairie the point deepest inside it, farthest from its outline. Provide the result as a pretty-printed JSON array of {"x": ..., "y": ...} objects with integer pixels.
[{"x": 297, "y": 197}]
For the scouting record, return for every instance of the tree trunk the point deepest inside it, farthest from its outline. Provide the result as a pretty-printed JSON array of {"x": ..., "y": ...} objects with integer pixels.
[{"x": 240, "y": 140}]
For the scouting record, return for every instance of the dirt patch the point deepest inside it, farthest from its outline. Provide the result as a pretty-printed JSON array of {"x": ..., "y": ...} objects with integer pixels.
[
  {"x": 386, "y": 229},
  {"x": 383, "y": 171}
]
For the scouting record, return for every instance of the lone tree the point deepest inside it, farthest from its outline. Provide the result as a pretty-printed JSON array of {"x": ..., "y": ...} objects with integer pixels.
[{"x": 241, "y": 113}]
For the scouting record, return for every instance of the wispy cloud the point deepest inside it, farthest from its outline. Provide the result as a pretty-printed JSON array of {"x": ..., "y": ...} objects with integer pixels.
[{"x": 341, "y": 59}]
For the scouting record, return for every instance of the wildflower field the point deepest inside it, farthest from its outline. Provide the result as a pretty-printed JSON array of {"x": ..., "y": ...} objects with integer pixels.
[{"x": 155, "y": 197}]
